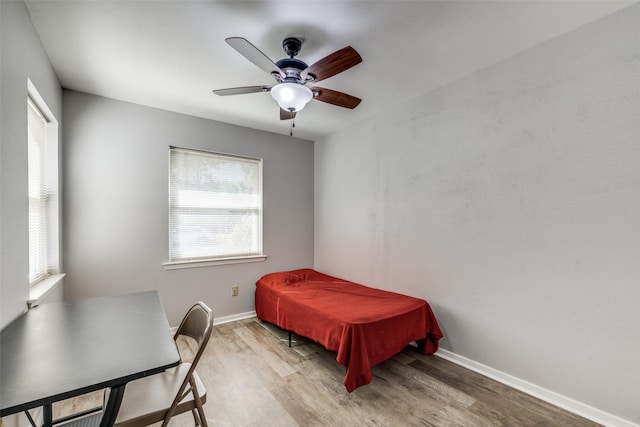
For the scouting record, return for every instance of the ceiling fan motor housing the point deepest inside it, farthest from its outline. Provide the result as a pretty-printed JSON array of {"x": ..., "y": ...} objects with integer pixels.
[{"x": 292, "y": 68}]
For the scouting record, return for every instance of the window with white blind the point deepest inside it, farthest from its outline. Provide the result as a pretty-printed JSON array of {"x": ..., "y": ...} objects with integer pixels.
[
  {"x": 215, "y": 206},
  {"x": 42, "y": 165}
]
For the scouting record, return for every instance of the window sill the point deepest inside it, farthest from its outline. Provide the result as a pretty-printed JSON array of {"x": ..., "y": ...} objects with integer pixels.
[
  {"x": 211, "y": 262},
  {"x": 41, "y": 289}
]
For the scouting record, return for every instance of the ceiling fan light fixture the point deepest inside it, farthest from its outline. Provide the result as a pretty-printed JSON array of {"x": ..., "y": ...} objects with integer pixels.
[{"x": 291, "y": 96}]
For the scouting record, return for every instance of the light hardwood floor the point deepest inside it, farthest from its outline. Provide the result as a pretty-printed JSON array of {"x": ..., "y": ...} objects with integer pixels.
[{"x": 254, "y": 379}]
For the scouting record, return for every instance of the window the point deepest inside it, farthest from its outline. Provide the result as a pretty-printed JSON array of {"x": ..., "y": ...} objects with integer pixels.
[
  {"x": 215, "y": 206},
  {"x": 42, "y": 161}
]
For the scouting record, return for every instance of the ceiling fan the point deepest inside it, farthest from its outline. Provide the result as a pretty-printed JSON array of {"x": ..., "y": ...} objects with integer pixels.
[{"x": 292, "y": 76}]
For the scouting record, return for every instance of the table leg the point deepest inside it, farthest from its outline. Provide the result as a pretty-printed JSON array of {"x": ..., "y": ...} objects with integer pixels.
[
  {"x": 47, "y": 415},
  {"x": 113, "y": 406}
]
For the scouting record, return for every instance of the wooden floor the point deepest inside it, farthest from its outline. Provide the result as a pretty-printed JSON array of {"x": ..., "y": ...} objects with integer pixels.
[{"x": 254, "y": 379}]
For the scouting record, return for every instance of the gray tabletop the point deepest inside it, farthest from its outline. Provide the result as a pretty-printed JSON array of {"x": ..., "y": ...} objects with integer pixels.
[{"x": 61, "y": 350}]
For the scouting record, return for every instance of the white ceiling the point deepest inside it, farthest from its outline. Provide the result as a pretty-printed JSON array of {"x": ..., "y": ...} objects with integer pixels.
[{"x": 171, "y": 54}]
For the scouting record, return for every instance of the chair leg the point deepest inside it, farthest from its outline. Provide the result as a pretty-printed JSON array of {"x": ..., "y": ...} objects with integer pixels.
[
  {"x": 198, "y": 402},
  {"x": 203, "y": 418},
  {"x": 170, "y": 412},
  {"x": 196, "y": 419}
]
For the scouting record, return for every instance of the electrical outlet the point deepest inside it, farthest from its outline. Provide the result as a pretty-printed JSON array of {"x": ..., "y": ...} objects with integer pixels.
[{"x": 234, "y": 291}]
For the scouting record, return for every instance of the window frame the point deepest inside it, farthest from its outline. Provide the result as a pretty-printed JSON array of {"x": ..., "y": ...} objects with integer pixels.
[
  {"x": 203, "y": 261},
  {"x": 49, "y": 168}
]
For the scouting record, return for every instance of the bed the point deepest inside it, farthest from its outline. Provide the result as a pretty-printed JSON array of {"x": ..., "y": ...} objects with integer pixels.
[{"x": 365, "y": 326}]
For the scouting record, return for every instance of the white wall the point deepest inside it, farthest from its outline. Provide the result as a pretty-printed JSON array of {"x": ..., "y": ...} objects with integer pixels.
[
  {"x": 21, "y": 57},
  {"x": 116, "y": 204},
  {"x": 510, "y": 200}
]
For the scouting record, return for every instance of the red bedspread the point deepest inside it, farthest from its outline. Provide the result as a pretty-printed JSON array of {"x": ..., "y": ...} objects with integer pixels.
[{"x": 365, "y": 326}]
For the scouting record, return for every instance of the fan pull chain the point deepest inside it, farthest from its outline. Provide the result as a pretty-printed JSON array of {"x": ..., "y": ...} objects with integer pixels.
[{"x": 293, "y": 124}]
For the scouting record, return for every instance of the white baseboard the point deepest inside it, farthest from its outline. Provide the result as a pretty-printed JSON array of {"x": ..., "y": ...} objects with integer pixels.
[
  {"x": 224, "y": 319},
  {"x": 234, "y": 317},
  {"x": 579, "y": 408}
]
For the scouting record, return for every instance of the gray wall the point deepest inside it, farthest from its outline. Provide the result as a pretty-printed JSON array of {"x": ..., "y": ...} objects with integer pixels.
[
  {"x": 116, "y": 204},
  {"x": 510, "y": 200},
  {"x": 21, "y": 57}
]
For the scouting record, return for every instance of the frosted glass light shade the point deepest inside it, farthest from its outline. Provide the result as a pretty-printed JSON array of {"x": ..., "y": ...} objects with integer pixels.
[{"x": 291, "y": 96}]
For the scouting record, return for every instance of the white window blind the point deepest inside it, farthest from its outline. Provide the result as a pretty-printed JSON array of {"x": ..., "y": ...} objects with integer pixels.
[
  {"x": 215, "y": 205},
  {"x": 36, "y": 135}
]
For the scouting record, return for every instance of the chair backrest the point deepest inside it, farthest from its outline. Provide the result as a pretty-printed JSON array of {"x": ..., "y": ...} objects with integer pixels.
[{"x": 197, "y": 324}]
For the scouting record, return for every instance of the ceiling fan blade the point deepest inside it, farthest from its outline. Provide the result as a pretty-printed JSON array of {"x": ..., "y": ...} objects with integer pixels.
[
  {"x": 253, "y": 54},
  {"x": 332, "y": 64},
  {"x": 336, "y": 98},
  {"x": 287, "y": 115},
  {"x": 241, "y": 90}
]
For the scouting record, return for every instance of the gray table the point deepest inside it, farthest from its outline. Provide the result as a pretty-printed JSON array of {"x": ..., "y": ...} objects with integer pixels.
[{"x": 62, "y": 350}]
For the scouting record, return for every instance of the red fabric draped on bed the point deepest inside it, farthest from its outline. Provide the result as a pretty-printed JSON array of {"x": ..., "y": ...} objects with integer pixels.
[{"x": 365, "y": 326}]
